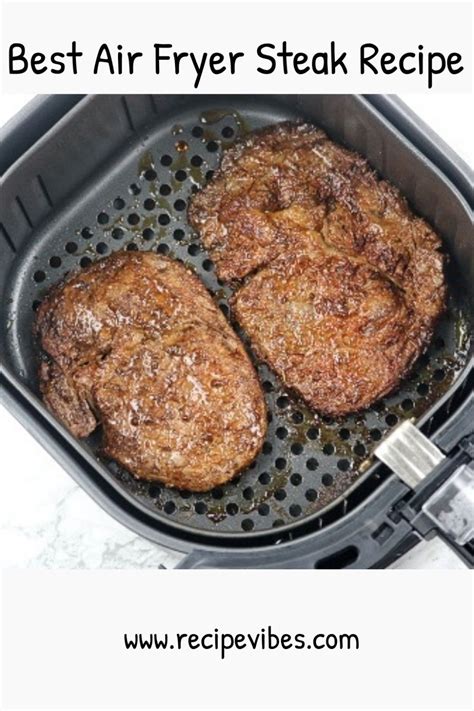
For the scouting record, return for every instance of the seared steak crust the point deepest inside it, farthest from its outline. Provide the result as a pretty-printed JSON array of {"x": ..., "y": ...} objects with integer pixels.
[
  {"x": 343, "y": 284},
  {"x": 136, "y": 344}
]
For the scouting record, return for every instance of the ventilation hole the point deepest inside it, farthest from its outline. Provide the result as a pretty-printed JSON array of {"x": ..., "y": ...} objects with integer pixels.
[
  {"x": 341, "y": 559},
  {"x": 185, "y": 494},
  {"x": 217, "y": 494},
  {"x": 375, "y": 434},
  {"x": 264, "y": 478},
  {"x": 423, "y": 389},
  {"x": 86, "y": 233},
  {"x": 247, "y": 524},
  {"x": 280, "y": 494},
  {"x": 263, "y": 509},
  {"x": 391, "y": 420},
  {"x": 232, "y": 509},
  {"x": 282, "y": 401},
  {"x": 180, "y": 205},
  {"x": 197, "y": 132},
  {"x": 281, "y": 432},
  {"x": 180, "y": 175},
  {"x": 163, "y": 248},
  {"x": 131, "y": 247},
  {"x": 55, "y": 262},
  {"x": 312, "y": 433},
  {"x": 149, "y": 204},
  {"x": 117, "y": 233},
  {"x": 359, "y": 449},
  {"x": 297, "y": 417},
  {"x": 212, "y": 146},
  {"x": 311, "y": 494},
  {"x": 327, "y": 420},
  {"x": 227, "y": 132},
  {"x": 209, "y": 175},
  {"x": 119, "y": 203},
  {"x": 277, "y": 522},
  {"x": 208, "y": 265},
  {"x": 296, "y": 479},
  {"x": 35, "y": 305},
  {"x": 267, "y": 448},
  {"x": 296, "y": 448},
  {"x": 134, "y": 189},
  {"x": 423, "y": 360},
  {"x": 102, "y": 248},
  {"x": 150, "y": 174},
  {"x": 280, "y": 463},
  {"x": 267, "y": 386},
  {"x": 343, "y": 465},
  {"x": 269, "y": 416},
  {"x": 133, "y": 219},
  {"x": 312, "y": 464},
  {"x": 164, "y": 219},
  {"x": 39, "y": 276},
  {"x": 200, "y": 507},
  {"x": 438, "y": 375},
  {"x": 439, "y": 343},
  {"x": 327, "y": 479},
  {"x": 178, "y": 235},
  {"x": 102, "y": 218},
  {"x": 407, "y": 404},
  {"x": 196, "y": 161},
  {"x": 85, "y": 262},
  {"x": 193, "y": 249},
  {"x": 248, "y": 493},
  {"x": 328, "y": 449},
  {"x": 295, "y": 510},
  {"x": 344, "y": 433},
  {"x": 71, "y": 247},
  {"x": 169, "y": 507},
  {"x": 165, "y": 190},
  {"x": 154, "y": 491},
  {"x": 166, "y": 160},
  {"x": 148, "y": 233}
]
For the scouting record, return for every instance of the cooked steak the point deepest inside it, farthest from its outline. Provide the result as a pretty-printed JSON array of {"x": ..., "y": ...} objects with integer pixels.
[
  {"x": 343, "y": 283},
  {"x": 136, "y": 344},
  {"x": 335, "y": 329}
]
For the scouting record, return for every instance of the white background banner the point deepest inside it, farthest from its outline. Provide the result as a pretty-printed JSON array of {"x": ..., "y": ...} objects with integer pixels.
[
  {"x": 63, "y": 639},
  {"x": 202, "y": 29}
]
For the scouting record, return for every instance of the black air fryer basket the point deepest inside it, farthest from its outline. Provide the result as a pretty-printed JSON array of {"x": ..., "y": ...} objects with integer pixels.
[{"x": 84, "y": 176}]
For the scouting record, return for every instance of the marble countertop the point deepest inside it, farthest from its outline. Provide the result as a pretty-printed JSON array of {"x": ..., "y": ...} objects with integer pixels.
[{"x": 48, "y": 521}]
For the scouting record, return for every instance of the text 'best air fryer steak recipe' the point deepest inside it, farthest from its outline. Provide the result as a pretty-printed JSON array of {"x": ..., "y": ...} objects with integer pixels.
[
  {"x": 136, "y": 344},
  {"x": 335, "y": 282}
]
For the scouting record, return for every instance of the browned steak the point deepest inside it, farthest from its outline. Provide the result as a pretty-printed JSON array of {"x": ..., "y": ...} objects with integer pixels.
[
  {"x": 343, "y": 283},
  {"x": 136, "y": 344}
]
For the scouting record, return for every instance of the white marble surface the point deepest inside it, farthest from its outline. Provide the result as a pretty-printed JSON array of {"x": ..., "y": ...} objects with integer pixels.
[{"x": 48, "y": 521}]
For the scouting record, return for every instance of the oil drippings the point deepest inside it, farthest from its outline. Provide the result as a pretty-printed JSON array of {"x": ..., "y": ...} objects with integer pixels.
[
  {"x": 212, "y": 116},
  {"x": 181, "y": 146},
  {"x": 145, "y": 163}
]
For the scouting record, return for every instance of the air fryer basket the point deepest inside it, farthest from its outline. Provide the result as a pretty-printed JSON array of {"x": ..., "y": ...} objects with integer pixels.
[{"x": 312, "y": 470}]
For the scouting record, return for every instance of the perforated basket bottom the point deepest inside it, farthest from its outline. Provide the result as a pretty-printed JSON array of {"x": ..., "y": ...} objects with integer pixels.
[{"x": 140, "y": 202}]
